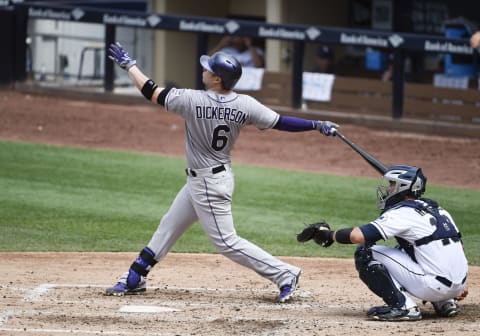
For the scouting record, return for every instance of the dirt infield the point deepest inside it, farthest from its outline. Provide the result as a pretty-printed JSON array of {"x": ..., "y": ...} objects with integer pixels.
[{"x": 62, "y": 293}]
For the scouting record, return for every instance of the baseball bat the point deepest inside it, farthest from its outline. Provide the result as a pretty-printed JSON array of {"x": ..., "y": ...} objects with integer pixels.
[{"x": 380, "y": 167}]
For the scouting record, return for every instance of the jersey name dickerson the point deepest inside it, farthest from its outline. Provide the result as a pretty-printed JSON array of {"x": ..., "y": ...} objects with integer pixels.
[{"x": 221, "y": 113}]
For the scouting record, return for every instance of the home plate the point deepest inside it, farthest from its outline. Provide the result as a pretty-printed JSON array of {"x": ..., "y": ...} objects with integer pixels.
[{"x": 146, "y": 309}]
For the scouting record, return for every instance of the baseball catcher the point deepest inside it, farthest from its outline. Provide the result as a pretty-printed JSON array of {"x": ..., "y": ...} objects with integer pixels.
[{"x": 429, "y": 262}]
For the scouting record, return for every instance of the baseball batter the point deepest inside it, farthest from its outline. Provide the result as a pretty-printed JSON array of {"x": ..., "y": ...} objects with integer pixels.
[
  {"x": 429, "y": 262},
  {"x": 213, "y": 120}
]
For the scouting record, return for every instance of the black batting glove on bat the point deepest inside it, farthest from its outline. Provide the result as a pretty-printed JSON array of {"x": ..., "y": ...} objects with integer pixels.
[
  {"x": 327, "y": 128},
  {"x": 120, "y": 56},
  {"x": 319, "y": 232}
]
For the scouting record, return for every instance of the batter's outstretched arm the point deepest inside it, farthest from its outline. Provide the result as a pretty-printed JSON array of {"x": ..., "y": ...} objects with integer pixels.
[
  {"x": 294, "y": 124},
  {"x": 145, "y": 85}
]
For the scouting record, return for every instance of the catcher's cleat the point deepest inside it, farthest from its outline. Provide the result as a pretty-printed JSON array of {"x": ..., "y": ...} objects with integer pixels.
[
  {"x": 446, "y": 308},
  {"x": 121, "y": 287},
  {"x": 286, "y": 291},
  {"x": 386, "y": 313}
]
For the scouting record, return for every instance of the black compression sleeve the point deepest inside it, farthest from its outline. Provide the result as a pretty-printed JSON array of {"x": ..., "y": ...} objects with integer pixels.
[{"x": 343, "y": 236}]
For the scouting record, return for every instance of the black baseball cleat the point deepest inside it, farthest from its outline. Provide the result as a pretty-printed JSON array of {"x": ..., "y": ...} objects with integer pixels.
[
  {"x": 446, "y": 308},
  {"x": 386, "y": 313}
]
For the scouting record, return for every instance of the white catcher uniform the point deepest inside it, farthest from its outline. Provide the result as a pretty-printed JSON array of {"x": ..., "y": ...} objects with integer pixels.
[
  {"x": 437, "y": 269},
  {"x": 212, "y": 125}
]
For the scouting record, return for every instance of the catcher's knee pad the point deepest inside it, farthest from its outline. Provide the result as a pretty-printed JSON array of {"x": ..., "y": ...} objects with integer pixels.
[
  {"x": 363, "y": 256},
  {"x": 376, "y": 277},
  {"x": 140, "y": 267}
]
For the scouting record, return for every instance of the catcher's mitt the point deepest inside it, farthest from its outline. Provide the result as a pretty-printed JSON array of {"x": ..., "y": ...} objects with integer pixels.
[{"x": 319, "y": 232}]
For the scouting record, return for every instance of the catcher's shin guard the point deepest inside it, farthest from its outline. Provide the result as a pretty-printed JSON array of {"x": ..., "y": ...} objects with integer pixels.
[
  {"x": 377, "y": 278},
  {"x": 140, "y": 267}
]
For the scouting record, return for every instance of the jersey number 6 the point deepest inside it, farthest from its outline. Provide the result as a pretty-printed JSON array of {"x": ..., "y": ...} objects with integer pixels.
[{"x": 220, "y": 140}]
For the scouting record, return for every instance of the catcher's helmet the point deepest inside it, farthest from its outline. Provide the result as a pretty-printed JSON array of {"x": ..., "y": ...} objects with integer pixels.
[
  {"x": 224, "y": 66},
  {"x": 402, "y": 181}
]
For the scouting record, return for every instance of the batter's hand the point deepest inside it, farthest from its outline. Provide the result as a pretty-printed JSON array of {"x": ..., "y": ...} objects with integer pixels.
[
  {"x": 327, "y": 128},
  {"x": 120, "y": 56}
]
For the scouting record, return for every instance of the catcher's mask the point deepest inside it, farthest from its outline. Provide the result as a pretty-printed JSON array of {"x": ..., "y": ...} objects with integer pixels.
[{"x": 401, "y": 181}]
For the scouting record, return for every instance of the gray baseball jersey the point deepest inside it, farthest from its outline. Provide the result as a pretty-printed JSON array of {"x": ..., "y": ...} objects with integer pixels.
[{"x": 213, "y": 122}]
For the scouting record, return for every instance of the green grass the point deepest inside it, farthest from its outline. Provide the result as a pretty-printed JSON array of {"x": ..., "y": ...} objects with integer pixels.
[{"x": 66, "y": 199}]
